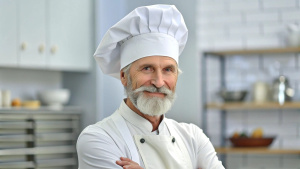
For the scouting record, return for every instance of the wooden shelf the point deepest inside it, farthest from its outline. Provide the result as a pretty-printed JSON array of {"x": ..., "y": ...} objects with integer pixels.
[
  {"x": 254, "y": 51},
  {"x": 252, "y": 106},
  {"x": 233, "y": 150}
]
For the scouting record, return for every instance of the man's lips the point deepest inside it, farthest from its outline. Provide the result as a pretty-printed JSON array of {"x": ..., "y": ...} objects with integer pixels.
[{"x": 154, "y": 94}]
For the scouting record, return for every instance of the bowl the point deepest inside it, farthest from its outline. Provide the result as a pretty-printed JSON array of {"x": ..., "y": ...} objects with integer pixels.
[
  {"x": 233, "y": 96},
  {"x": 251, "y": 142},
  {"x": 54, "y": 98}
]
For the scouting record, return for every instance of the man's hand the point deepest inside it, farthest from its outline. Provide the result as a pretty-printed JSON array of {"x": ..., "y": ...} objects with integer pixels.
[{"x": 126, "y": 163}]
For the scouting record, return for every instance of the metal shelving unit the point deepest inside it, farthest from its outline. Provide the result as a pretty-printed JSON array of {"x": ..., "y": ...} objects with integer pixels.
[
  {"x": 224, "y": 107},
  {"x": 35, "y": 138}
]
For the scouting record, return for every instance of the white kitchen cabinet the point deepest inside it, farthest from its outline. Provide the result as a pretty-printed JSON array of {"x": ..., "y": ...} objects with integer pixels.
[
  {"x": 32, "y": 26},
  {"x": 8, "y": 33},
  {"x": 68, "y": 34},
  {"x": 40, "y": 34}
]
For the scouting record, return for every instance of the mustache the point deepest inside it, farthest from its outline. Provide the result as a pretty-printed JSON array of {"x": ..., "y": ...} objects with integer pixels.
[{"x": 152, "y": 89}]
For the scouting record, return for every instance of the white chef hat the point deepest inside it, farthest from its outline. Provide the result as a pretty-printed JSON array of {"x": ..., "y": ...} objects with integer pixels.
[{"x": 146, "y": 31}]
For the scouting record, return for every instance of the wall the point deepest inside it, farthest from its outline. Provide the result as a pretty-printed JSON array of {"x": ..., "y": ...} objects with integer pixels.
[
  {"x": 235, "y": 24},
  {"x": 26, "y": 83}
]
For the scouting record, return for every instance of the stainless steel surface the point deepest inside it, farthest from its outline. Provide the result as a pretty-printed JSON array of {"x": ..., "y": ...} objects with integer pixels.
[
  {"x": 40, "y": 138},
  {"x": 281, "y": 90},
  {"x": 233, "y": 96}
]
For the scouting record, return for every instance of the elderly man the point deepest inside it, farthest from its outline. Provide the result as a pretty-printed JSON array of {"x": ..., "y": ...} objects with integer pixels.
[{"x": 142, "y": 50}]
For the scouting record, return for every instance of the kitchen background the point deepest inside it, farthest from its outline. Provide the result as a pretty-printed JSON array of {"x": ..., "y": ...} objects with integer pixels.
[{"x": 213, "y": 25}]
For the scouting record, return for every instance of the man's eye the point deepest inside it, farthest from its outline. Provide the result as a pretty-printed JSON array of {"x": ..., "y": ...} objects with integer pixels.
[
  {"x": 168, "y": 69},
  {"x": 147, "y": 68}
]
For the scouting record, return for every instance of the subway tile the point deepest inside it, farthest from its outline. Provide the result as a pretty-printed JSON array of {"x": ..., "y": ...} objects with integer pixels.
[
  {"x": 263, "y": 161},
  {"x": 297, "y": 91},
  {"x": 228, "y": 18},
  {"x": 205, "y": 45},
  {"x": 246, "y": 63},
  {"x": 261, "y": 17},
  {"x": 212, "y": 89},
  {"x": 290, "y": 161},
  {"x": 274, "y": 29},
  {"x": 215, "y": 139},
  {"x": 262, "y": 42},
  {"x": 245, "y": 5},
  {"x": 278, "y": 62},
  {"x": 291, "y": 143},
  {"x": 245, "y": 30},
  {"x": 205, "y": 6},
  {"x": 222, "y": 26},
  {"x": 298, "y": 59},
  {"x": 263, "y": 117},
  {"x": 267, "y": 4},
  {"x": 214, "y": 116},
  {"x": 234, "y": 161},
  {"x": 212, "y": 32},
  {"x": 292, "y": 74},
  {"x": 236, "y": 117},
  {"x": 224, "y": 43},
  {"x": 292, "y": 15}
]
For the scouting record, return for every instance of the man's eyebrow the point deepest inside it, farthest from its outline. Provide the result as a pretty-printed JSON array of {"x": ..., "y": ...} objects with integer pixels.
[
  {"x": 171, "y": 66},
  {"x": 145, "y": 65}
]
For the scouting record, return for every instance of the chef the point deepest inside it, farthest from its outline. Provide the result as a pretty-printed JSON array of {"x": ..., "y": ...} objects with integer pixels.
[{"x": 142, "y": 50}]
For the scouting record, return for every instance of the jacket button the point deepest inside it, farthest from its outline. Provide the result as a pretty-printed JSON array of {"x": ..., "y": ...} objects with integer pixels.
[
  {"x": 142, "y": 140},
  {"x": 173, "y": 140}
]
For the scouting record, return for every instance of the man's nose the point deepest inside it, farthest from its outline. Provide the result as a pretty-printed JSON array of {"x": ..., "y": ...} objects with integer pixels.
[{"x": 158, "y": 80}]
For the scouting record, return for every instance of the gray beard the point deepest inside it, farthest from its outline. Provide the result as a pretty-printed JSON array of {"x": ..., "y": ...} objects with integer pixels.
[{"x": 153, "y": 106}]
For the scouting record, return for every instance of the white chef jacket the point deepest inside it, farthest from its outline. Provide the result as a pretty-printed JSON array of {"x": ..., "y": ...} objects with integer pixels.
[{"x": 100, "y": 145}]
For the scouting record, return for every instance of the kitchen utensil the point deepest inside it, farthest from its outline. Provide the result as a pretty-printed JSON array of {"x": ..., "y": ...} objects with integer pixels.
[
  {"x": 260, "y": 92},
  {"x": 293, "y": 36},
  {"x": 251, "y": 142},
  {"x": 6, "y": 98},
  {"x": 55, "y": 98},
  {"x": 233, "y": 96},
  {"x": 281, "y": 90}
]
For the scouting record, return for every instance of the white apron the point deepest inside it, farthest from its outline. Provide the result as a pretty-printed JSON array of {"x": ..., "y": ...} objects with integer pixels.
[{"x": 157, "y": 152}]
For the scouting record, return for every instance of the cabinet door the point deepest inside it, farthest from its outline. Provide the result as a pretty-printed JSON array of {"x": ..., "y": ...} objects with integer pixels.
[
  {"x": 32, "y": 16},
  {"x": 8, "y": 33},
  {"x": 69, "y": 34}
]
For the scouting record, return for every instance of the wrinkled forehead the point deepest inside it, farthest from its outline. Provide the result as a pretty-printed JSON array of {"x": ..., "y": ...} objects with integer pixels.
[{"x": 156, "y": 60}]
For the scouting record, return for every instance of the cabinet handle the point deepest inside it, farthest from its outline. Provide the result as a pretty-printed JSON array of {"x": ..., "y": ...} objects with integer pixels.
[
  {"x": 23, "y": 46},
  {"x": 42, "y": 48},
  {"x": 54, "y": 49}
]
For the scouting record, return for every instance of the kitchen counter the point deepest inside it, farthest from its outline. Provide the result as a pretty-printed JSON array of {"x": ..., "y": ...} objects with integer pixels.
[{"x": 44, "y": 110}]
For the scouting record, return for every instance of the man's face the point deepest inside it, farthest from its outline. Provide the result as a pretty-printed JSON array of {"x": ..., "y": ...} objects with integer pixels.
[{"x": 151, "y": 85}]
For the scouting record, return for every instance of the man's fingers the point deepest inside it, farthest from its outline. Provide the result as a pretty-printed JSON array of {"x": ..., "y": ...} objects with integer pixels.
[
  {"x": 125, "y": 159},
  {"x": 122, "y": 163},
  {"x": 127, "y": 163}
]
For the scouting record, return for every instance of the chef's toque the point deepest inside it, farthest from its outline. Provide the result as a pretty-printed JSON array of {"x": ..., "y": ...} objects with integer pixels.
[{"x": 146, "y": 31}]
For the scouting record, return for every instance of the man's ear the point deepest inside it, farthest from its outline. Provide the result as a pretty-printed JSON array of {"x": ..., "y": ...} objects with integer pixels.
[{"x": 123, "y": 78}]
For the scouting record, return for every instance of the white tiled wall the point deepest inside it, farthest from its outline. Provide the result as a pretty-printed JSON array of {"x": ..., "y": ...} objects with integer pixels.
[{"x": 244, "y": 24}]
